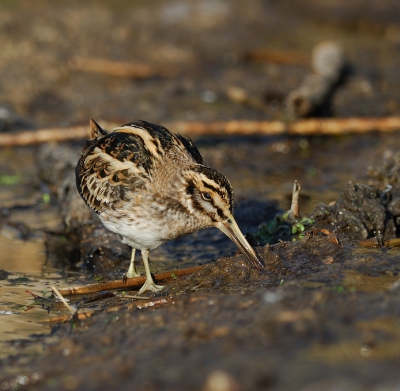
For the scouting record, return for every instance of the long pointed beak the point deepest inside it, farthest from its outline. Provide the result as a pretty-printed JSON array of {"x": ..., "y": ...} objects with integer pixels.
[{"x": 231, "y": 229}]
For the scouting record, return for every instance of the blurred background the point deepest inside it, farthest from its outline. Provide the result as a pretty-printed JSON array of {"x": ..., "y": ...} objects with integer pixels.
[
  {"x": 187, "y": 57},
  {"x": 196, "y": 61}
]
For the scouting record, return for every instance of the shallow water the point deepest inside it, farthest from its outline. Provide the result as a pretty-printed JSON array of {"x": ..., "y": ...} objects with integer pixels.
[{"x": 18, "y": 319}]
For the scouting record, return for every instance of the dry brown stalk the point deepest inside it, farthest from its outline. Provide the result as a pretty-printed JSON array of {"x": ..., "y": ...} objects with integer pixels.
[
  {"x": 71, "y": 309},
  {"x": 142, "y": 304},
  {"x": 48, "y": 135},
  {"x": 66, "y": 318},
  {"x": 152, "y": 303},
  {"x": 116, "y": 68},
  {"x": 306, "y": 127},
  {"x": 294, "y": 212},
  {"x": 130, "y": 282},
  {"x": 377, "y": 243},
  {"x": 336, "y": 126}
]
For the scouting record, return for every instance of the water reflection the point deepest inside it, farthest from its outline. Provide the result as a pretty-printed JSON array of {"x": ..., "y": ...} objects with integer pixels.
[
  {"x": 23, "y": 261},
  {"x": 21, "y": 256}
]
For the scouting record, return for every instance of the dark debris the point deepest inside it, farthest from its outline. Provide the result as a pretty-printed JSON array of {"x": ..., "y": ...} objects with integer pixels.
[{"x": 361, "y": 212}]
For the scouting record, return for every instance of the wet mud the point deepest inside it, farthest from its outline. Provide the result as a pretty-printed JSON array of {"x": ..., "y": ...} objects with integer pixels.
[{"x": 322, "y": 315}]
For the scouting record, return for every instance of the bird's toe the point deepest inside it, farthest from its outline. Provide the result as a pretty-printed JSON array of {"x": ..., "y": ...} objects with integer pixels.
[{"x": 150, "y": 286}]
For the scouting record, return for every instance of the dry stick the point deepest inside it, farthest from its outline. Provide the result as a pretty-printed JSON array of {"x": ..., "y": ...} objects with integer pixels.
[
  {"x": 303, "y": 127},
  {"x": 71, "y": 309},
  {"x": 307, "y": 127},
  {"x": 376, "y": 243},
  {"x": 140, "y": 305},
  {"x": 47, "y": 135},
  {"x": 87, "y": 314},
  {"x": 294, "y": 207},
  {"x": 115, "y": 68},
  {"x": 130, "y": 282},
  {"x": 66, "y": 318}
]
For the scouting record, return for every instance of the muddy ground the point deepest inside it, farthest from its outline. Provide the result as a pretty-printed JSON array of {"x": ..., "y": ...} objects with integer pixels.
[{"x": 325, "y": 313}]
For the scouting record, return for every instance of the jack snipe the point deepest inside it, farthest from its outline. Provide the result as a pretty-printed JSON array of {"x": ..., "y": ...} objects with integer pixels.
[{"x": 151, "y": 186}]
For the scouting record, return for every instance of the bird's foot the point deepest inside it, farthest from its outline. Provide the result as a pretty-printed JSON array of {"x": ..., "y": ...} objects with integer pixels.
[
  {"x": 132, "y": 273},
  {"x": 150, "y": 285}
]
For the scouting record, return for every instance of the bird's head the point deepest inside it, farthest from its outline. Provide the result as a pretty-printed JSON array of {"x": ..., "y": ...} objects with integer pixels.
[
  {"x": 209, "y": 197},
  {"x": 209, "y": 194}
]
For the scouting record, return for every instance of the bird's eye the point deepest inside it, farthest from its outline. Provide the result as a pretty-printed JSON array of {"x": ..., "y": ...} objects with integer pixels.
[{"x": 206, "y": 196}]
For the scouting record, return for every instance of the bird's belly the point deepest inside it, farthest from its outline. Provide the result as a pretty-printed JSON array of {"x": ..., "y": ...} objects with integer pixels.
[{"x": 141, "y": 234}]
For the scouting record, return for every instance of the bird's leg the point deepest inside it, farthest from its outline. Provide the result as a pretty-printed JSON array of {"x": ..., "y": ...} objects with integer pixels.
[
  {"x": 132, "y": 272},
  {"x": 149, "y": 284}
]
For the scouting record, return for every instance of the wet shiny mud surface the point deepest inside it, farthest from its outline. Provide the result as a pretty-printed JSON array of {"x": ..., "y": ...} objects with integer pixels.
[{"x": 323, "y": 315}]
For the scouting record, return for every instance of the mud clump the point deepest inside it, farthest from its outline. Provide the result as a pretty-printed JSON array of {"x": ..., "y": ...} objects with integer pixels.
[{"x": 361, "y": 212}]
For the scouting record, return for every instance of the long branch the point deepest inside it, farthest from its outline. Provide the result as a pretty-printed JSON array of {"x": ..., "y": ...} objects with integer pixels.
[
  {"x": 307, "y": 127},
  {"x": 378, "y": 243},
  {"x": 120, "y": 69},
  {"x": 130, "y": 282}
]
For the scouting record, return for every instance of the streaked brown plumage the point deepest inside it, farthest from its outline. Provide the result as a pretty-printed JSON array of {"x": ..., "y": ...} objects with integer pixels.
[{"x": 151, "y": 186}]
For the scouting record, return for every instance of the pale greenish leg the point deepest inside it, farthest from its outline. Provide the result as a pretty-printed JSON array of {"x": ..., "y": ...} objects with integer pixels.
[
  {"x": 149, "y": 284},
  {"x": 132, "y": 272}
]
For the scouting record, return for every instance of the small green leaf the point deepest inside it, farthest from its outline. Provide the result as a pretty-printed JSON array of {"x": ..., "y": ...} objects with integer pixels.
[
  {"x": 338, "y": 288},
  {"x": 46, "y": 198},
  {"x": 9, "y": 179}
]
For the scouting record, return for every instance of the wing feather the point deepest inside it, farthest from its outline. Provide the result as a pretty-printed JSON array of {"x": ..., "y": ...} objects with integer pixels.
[
  {"x": 190, "y": 148},
  {"x": 111, "y": 166},
  {"x": 114, "y": 165}
]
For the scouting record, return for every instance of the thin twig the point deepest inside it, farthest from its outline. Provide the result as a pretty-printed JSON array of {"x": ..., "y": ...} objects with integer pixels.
[
  {"x": 67, "y": 318},
  {"x": 49, "y": 135},
  {"x": 136, "y": 297},
  {"x": 71, "y": 309},
  {"x": 377, "y": 243},
  {"x": 153, "y": 303},
  {"x": 307, "y": 127},
  {"x": 118, "y": 68},
  {"x": 302, "y": 127},
  {"x": 130, "y": 282},
  {"x": 294, "y": 208},
  {"x": 142, "y": 304}
]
